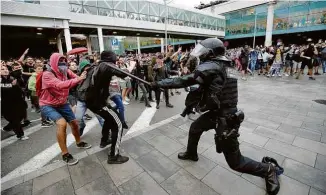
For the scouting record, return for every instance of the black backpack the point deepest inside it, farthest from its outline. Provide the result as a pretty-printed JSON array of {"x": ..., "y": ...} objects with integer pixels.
[{"x": 84, "y": 87}]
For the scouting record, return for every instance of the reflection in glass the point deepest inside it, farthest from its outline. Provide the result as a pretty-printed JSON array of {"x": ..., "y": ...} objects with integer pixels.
[
  {"x": 105, "y": 12},
  {"x": 146, "y": 11}
]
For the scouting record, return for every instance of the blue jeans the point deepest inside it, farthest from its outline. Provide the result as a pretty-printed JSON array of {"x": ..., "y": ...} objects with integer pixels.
[
  {"x": 80, "y": 112},
  {"x": 55, "y": 113},
  {"x": 253, "y": 63},
  {"x": 117, "y": 99},
  {"x": 324, "y": 65}
]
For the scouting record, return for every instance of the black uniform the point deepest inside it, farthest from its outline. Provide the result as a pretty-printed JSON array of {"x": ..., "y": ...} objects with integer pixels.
[
  {"x": 217, "y": 96},
  {"x": 13, "y": 105}
]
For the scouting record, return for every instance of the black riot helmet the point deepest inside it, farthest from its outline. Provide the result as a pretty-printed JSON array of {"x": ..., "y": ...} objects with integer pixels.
[{"x": 211, "y": 48}]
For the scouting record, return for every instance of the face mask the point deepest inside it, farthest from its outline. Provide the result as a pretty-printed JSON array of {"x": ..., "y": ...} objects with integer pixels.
[
  {"x": 63, "y": 68},
  {"x": 16, "y": 73}
]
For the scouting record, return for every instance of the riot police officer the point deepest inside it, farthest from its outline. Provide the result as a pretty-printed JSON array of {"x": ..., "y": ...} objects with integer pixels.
[{"x": 217, "y": 98}]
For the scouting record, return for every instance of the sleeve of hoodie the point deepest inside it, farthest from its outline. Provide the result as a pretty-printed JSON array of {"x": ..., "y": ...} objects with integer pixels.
[{"x": 50, "y": 80}]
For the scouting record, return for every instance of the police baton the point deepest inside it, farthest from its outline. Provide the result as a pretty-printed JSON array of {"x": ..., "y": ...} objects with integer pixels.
[{"x": 130, "y": 75}]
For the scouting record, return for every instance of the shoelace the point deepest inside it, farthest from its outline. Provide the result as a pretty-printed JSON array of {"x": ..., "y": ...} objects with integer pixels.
[{"x": 279, "y": 170}]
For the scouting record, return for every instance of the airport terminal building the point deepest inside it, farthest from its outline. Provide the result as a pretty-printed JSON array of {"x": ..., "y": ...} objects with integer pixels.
[{"x": 293, "y": 20}]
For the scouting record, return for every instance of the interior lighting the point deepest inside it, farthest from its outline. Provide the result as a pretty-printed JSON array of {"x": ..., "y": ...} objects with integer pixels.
[
  {"x": 39, "y": 28},
  {"x": 39, "y": 33}
]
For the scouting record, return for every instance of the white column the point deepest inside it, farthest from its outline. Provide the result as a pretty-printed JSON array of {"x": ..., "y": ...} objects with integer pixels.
[
  {"x": 269, "y": 25},
  {"x": 59, "y": 44},
  {"x": 67, "y": 35},
  {"x": 138, "y": 45},
  {"x": 100, "y": 38},
  {"x": 89, "y": 45},
  {"x": 162, "y": 45}
]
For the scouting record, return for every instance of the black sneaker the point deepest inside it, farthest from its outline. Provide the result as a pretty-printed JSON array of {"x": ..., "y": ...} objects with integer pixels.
[
  {"x": 172, "y": 94},
  {"x": 83, "y": 145},
  {"x": 103, "y": 144},
  {"x": 151, "y": 100},
  {"x": 46, "y": 124},
  {"x": 148, "y": 105},
  {"x": 169, "y": 105},
  {"x": 7, "y": 128},
  {"x": 87, "y": 117},
  {"x": 25, "y": 123},
  {"x": 312, "y": 78},
  {"x": 124, "y": 125},
  {"x": 69, "y": 159},
  {"x": 118, "y": 159},
  {"x": 157, "y": 106}
]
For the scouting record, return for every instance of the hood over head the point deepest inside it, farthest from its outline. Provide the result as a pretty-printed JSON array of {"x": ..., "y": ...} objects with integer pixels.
[
  {"x": 108, "y": 56},
  {"x": 54, "y": 60}
]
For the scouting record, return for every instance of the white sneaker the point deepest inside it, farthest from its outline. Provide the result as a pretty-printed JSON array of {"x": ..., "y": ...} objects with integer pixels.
[
  {"x": 244, "y": 78},
  {"x": 127, "y": 99},
  {"x": 268, "y": 75},
  {"x": 273, "y": 75},
  {"x": 279, "y": 75},
  {"x": 285, "y": 74},
  {"x": 23, "y": 138},
  {"x": 125, "y": 103}
]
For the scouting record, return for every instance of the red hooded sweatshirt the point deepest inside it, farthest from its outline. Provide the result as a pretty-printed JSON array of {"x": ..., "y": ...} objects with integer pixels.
[{"x": 55, "y": 89}]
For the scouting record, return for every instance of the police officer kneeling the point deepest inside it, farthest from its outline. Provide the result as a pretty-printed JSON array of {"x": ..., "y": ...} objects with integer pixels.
[{"x": 217, "y": 98}]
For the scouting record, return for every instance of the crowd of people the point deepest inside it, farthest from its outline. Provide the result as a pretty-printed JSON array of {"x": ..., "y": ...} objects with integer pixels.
[
  {"x": 279, "y": 60},
  {"x": 19, "y": 83},
  {"x": 19, "y": 80}
]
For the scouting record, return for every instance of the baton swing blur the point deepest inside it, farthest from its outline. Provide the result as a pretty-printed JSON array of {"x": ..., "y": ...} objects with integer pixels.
[{"x": 131, "y": 75}]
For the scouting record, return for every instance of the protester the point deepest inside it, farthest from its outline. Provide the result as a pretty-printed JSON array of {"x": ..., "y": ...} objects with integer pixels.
[
  {"x": 34, "y": 98},
  {"x": 81, "y": 104},
  {"x": 161, "y": 73},
  {"x": 96, "y": 100},
  {"x": 53, "y": 101}
]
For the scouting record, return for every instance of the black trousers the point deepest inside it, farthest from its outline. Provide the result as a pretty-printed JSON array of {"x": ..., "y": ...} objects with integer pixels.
[
  {"x": 134, "y": 86},
  {"x": 144, "y": 91},
  {"x": 230, "y": 147},
  {"x": 14, "y": 116},
  {"x": 158, "y": 95},
  {"x": 112, "y": 122}
]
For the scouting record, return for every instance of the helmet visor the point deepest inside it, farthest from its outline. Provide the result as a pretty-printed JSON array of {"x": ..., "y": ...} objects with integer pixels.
[{"x": 199, "y": 50}]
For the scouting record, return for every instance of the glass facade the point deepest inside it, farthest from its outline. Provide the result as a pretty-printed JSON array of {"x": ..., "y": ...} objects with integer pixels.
[
  {"x": 147, "y": 11},
  {"x": 289, "y": 17}
]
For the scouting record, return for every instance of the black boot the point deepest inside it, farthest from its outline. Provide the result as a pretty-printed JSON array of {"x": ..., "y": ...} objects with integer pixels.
[
  {"x": 124, "y": 125},
  {"x": 187, "y": 156},
  {"x": 103, "y": 144},
  {"x": 169, "y": 105},
  {"x": 118, "y": 159},
  {"x": 272, "y": 183}
]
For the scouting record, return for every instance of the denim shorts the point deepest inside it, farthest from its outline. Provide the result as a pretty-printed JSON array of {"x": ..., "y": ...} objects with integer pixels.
[{"x": 55, "y": 113}]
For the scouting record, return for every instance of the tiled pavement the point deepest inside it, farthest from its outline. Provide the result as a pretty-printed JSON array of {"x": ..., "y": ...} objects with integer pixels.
[{"x": 282, "y": 121}]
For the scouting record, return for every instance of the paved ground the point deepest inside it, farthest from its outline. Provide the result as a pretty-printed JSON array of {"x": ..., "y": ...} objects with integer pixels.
[
  {"x": 283, "y": 120},
  {"x": 14, "y": 154}
]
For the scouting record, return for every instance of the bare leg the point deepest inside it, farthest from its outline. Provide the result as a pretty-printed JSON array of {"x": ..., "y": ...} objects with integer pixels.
[
  {"x": 62, "y": 135},
  {"x": 74, "y": 130}
]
